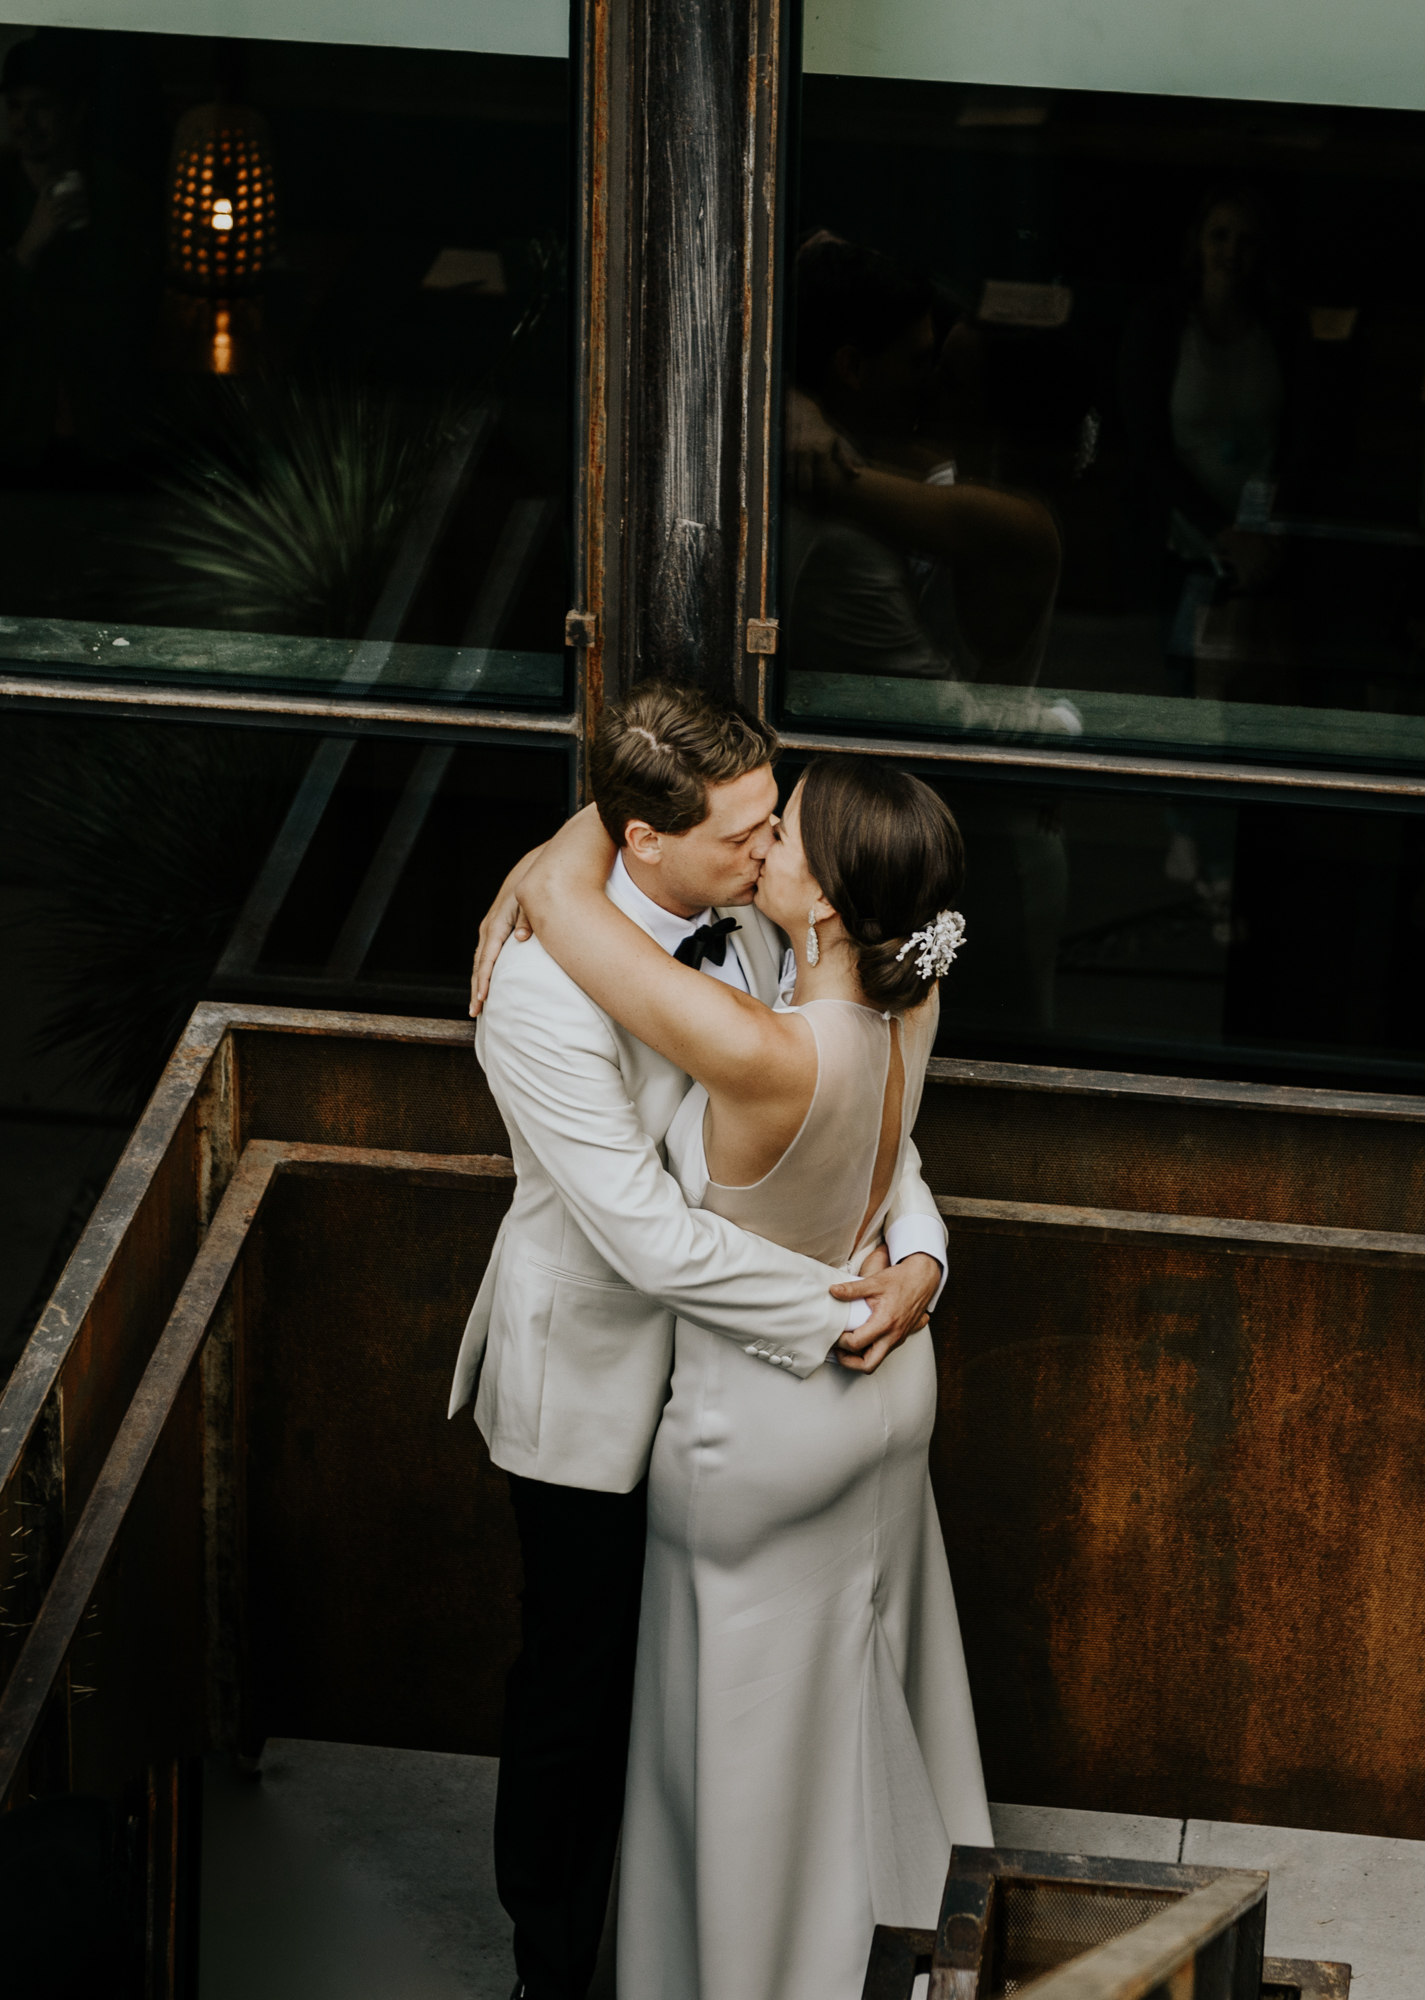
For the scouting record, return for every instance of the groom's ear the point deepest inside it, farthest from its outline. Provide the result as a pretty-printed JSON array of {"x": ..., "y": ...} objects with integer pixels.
[{"x": 644, "y": 842}]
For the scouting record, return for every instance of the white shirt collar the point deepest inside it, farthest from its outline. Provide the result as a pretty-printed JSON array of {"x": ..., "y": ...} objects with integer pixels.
[{"x": 661, "y": 925}]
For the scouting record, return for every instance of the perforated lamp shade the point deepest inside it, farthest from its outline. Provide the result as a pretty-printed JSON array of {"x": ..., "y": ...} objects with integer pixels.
[{"x": 222, "y": 200}]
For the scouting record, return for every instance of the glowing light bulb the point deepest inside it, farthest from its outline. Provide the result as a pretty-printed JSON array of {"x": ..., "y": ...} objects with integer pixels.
[
  {"x": 222, "y": 213},
  {"x": 222, "y": 349}
]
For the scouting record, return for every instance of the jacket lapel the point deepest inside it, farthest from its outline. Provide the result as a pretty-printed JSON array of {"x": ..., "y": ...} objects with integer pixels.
[{"x": 760, "y": 962}]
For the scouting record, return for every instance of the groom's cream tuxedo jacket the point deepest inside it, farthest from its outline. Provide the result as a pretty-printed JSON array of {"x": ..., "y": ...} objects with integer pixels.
[{"x": 571, "y": 1336}]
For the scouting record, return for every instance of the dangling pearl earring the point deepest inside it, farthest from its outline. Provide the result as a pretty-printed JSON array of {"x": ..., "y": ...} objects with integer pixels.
[{"x": 813, "y": 941}]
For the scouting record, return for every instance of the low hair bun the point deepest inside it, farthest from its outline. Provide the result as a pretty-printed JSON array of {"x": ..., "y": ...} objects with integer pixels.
[{"x": 889, "y": 859}]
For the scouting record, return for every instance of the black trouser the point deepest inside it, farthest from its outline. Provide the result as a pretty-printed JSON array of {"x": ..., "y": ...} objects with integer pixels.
[{"x": 565, "y": 1743}]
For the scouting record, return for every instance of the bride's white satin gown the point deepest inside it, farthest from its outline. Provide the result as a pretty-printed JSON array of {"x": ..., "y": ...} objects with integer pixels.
[{"x": 803, "y": 1751}]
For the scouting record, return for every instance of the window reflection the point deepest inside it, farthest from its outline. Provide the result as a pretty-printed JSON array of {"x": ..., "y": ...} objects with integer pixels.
[
  {"x": 901, "y": 560},
  {"x": 131, "y": 854},
  {"x": 283, "y": 373},
  {"x": 1103, "y": 415},
  {"x": 1081, "y": 948}
]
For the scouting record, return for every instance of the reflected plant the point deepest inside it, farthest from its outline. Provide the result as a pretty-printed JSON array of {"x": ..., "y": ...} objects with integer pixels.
[
  {"x": 290, "y": 501},
  {"x": 287, "y": 515},
  {"x": 137, "y": 843}
]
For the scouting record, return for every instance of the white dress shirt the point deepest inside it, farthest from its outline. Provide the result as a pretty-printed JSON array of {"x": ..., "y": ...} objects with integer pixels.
[
  {"x": 669, "y": 930},
  {"x": 908, "y": 1234}
]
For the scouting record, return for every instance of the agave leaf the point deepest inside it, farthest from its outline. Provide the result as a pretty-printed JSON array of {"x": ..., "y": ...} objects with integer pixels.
[{"x": 288, "y": 513}]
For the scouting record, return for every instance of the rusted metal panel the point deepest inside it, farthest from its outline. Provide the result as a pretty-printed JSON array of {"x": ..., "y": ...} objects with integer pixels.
[
  {"x": 63, "y": 1405},
  {"x": 1087, "y": 1927},
  {"x": 348, "y": 1090},
  {"x": 1327, "y": 1159},
  {"x": 141, "y": 1621},
  {"x": 1042, "y": 1079},
  {"x": 383, "y": 1570},
  {"x": 91, "y": 1547},
  {"x": 898, "y": 1958},
  {"x": 1177, "y": 1457},
  {"x": 1305, "y": 1979},
  {"x": 150, "y": 1175},
  {"x": 1222, "y": 1235},
  {"x": 1182, "y": 1494},
  {"x": 146, "y": 1226}
]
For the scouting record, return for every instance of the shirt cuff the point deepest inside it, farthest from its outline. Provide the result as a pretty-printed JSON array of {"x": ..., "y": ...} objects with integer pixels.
[
  {"x": 926, "y": 1233},
  {"x": 857, "y": 1314}
]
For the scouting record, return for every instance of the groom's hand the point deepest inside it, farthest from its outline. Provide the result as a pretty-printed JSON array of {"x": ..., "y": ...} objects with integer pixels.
[{"x": 899, "y": 1298}]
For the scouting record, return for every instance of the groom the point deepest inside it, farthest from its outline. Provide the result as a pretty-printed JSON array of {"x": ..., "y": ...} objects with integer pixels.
[{"x": 571, "y": 1337}]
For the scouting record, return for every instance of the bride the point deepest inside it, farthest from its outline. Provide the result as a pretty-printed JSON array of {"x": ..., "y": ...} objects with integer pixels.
[{"x": 803, "y": 1750}]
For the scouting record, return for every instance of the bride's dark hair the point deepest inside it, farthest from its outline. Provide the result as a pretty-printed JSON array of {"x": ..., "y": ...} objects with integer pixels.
[{"x": 888, "y": 857}]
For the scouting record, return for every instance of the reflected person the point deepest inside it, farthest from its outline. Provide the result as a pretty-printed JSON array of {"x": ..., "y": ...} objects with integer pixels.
[
  {"x": 1207, "y": 375},
  {"x": 893, "y": 571},
  {"x": 896, "y": 566},
  {"x": 74, "y": 274}
]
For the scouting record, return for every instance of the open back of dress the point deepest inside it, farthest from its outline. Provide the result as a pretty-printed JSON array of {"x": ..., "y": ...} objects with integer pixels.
[{"x": 816, "y": 1198}]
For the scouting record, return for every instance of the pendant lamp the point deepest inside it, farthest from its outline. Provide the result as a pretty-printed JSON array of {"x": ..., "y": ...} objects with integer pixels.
[{"x": 222, "y": 200}]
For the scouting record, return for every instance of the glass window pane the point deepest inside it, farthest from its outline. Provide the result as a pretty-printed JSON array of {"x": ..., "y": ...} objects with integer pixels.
[
  {"x": 1104, "y": 421},
  {"x": 1183, "y": 934},
  {"x": 284, "y": 385},
  {"x": 135, "y": 855}
]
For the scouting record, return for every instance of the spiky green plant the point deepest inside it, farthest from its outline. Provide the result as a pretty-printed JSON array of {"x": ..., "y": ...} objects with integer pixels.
[
  {"x": 291, "y": 496},
  {"x": 137, "y": 843},
  {"x": 288, "y": 509}
]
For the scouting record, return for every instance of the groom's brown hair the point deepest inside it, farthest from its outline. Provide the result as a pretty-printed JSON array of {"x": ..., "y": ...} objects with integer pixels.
[{"x": 657, "y": 752}]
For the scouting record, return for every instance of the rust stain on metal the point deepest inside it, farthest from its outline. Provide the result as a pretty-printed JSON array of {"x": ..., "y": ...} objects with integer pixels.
[
  {"x": 1178, "y": 1450},
  {"x": 329, "y": 1298},
  {"x": 1377, "y": 1247},
  {"x": 53, "y": 1631},
  {"x": 1184, "y": 1522},
  {"x": 98, "y": 1333},
  {"x": 1262, "y": 1153}
]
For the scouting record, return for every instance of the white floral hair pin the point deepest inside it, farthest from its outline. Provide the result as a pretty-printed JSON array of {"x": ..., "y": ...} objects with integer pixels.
[{"x": 938, "y": 944}]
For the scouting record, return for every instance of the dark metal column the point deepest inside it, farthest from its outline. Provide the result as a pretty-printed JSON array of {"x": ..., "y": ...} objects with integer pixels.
[{"x": 679, "y": 101}]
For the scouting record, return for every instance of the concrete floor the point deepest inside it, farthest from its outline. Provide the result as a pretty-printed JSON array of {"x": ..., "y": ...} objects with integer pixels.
[{"x": 348, "y": 1873}]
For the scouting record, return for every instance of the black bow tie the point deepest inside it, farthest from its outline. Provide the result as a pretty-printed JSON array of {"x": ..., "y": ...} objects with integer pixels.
[{"x": 707, "y": 941}]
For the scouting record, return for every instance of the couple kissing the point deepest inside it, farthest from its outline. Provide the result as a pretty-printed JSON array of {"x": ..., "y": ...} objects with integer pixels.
[{"x": 700, "y": 1353}]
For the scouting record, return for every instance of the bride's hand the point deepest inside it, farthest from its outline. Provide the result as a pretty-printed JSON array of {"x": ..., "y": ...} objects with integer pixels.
[
  {"x": 574, "y": 864},
  {"x": 504, "y": 919},
  {"x": 581, "y": 845}
]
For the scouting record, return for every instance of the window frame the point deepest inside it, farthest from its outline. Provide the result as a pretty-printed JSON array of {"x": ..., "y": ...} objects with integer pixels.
[{"x": 708, "y": 90}]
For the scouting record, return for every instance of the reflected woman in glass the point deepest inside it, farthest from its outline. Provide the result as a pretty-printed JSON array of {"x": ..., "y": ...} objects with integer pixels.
[{"x": 1207, "y": 375}]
